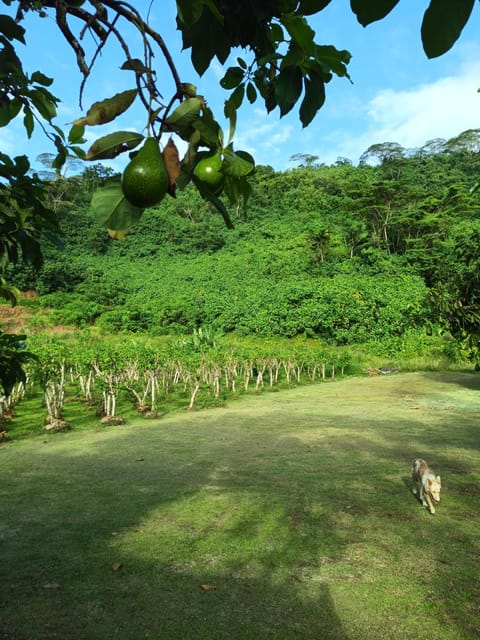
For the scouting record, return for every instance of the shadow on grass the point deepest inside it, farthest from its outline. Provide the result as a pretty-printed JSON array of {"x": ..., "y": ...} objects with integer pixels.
[
  {"x": 191, "y": 565},
  {"x": 218, "y": 527},
  {"x": 470, "y": 380}
]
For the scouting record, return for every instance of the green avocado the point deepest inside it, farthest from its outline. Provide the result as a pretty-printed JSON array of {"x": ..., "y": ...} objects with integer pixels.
[
  {"x": 208, "y": 171},
  {"x": 145, "y": 179}
]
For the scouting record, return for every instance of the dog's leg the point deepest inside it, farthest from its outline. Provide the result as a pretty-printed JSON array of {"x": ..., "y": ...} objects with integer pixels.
[
  {"x": 430, "y": 504},
  {"x": 414, "y": 482},
  {"x": 422, "y": 496}
]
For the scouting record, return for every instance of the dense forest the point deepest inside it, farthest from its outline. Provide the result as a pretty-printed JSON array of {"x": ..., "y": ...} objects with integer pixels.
[{"x": 348, "y": 254}]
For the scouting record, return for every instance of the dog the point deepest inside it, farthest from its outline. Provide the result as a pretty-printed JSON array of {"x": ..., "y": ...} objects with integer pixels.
[{"x": 429, "y": 483}]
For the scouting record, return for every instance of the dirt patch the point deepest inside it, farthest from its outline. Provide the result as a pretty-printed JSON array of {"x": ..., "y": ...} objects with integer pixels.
[{"x": 13, "y": 319}]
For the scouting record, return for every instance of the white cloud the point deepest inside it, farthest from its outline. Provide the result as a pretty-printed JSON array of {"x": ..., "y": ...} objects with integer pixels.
[
  {"x": 263, "y": 135},
  {"x": 441, "y": 109}
]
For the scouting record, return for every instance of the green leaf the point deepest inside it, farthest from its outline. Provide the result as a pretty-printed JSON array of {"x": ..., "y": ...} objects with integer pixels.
[
  {"x": 60, "y": 132},
  {"x": 207, "y": 39},
  {"x": 22, "y": 165},
  {"x": 251, "y": 92},
  {"x": 31, "y": 251},
  {"x": 41, "y": 78},
  {"x": 76, "y": 133},
  {"x": 185, "y": 114},
  {"x": 313, "y": 100},
  {"x": 11, "y": 29},
  {"x": 15, "y": 106},
  {"x": 111, "y": 209},
  {"x": 209, "y": 129},
  {"x": 28, "y": 122},
  {"x": 270, "y": 100},
  {"x": 275, "y": 33},
  {"x": 288, "y": 87},
  {"x": 309, "y": 7},
  {"x": 300, "y": 31},
  {"x": 78, "y": 151},
  {"x": 4, "y": 113},
  {"x": 231, "y": 113},
  {"x": 43, "y": 102},
  {"x": 111, "y": 145},
  {"x": 59, "y": 160},
  {"x": 368, "y": 11},
  {"x": 237, "y": 164},
  {"x": 232, "y": 78},
  {"x": 9, "y": 61},
  {"x": 331, "y": 59},
  {"x": 135, "y": 65},
  {"x": 213, "y": 8},
  {"x": 236, "y": 97},
  {"x": 287, "y": 6},
  {"x": 237, "y": 189},
  {"x": 209, "y": 196},
  {"x": 189, "y": 11},
  {"x": 443, "y": 23}
]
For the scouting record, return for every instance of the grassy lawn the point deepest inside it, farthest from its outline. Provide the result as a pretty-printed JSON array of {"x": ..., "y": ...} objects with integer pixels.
[{"x": 284, "y": 515}]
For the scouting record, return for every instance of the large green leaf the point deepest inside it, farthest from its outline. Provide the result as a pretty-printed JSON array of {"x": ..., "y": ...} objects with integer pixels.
[
  {"x": 237, "y": 95},
  {"x": 210, "y": 132},
  {"x": 314, "y": 98},
  {"x": 208, "y": 195},
  {"x": 368, "y": 11},
  {"x": 300, "y": 31},
  {"x": 237, "y": 164},
  {"x": 207, "y": 39},
  {"x": 443, "y": 23},
  {"x": 111, "y": 209},
  {"x": 182, "y": 118},
  {"x": 288, "y": 87},
  {"x": 251, "y": 92}
]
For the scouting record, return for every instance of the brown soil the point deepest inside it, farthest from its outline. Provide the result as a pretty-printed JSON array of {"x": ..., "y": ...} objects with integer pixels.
[{"x": 13, "y": 319}]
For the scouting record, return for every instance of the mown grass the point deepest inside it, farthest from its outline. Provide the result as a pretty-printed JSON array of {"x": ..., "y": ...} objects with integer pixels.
[{"x": 286, "y": 515}]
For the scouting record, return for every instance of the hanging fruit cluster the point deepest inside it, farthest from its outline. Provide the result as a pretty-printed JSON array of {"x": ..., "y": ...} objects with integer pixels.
[{"x": 155, "y": 170}]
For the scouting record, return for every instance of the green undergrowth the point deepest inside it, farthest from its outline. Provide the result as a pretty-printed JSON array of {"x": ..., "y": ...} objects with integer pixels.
[{"x": 285, "y": 515}]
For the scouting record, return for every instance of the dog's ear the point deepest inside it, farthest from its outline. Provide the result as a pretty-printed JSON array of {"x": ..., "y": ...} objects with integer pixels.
[{"x": 439, "y": 480}]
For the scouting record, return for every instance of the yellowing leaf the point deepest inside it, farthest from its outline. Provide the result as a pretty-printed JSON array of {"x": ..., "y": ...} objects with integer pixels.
[
  {"x": 108, "y": 109},
  {"x": 172, "y": 163},
  {"x": 118, "y": 234},
  {"x": 53, "y": 586},
  {"x": 208, "y": 587}
]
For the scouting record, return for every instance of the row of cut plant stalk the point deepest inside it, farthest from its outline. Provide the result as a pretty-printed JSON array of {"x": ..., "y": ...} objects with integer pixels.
[{"x": 149, "y": 378}]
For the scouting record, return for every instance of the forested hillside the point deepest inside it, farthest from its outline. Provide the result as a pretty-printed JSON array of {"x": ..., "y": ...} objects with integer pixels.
[{"x": 345, "y": 253}]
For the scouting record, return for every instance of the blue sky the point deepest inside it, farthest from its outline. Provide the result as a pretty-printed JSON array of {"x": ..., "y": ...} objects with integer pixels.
[{"x": 397, "y": 94}]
